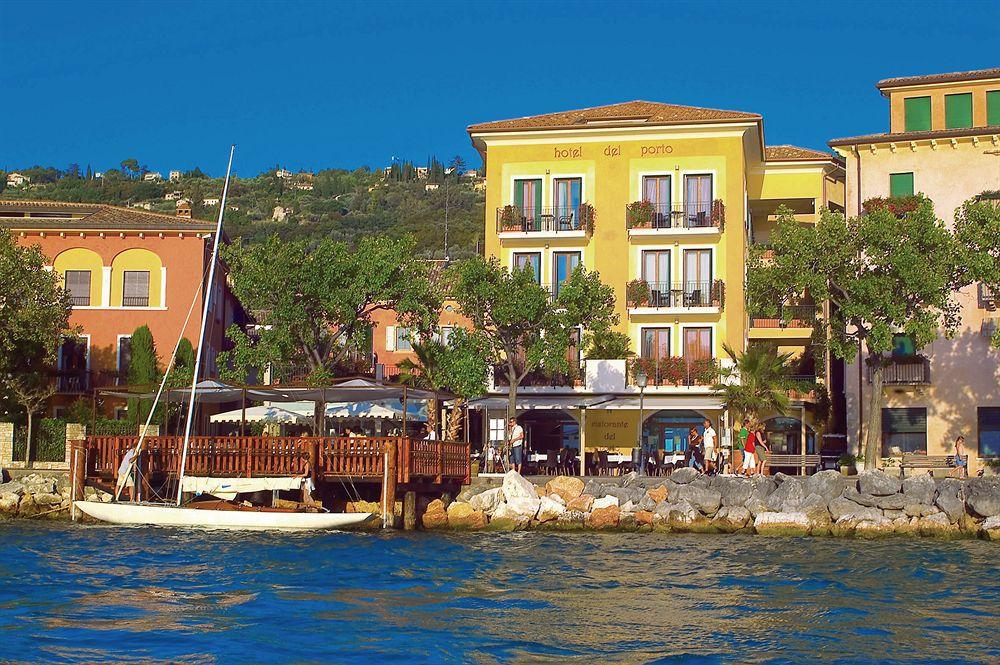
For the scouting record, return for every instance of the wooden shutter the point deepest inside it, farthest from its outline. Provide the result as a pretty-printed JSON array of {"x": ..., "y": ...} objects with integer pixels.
[
  {"x": 958, "y": 111},
  {"x": 900, "y": 184},
  {"x": 908, "y": 420},
  {"x": 993, "y": 107},
  {"x": 519, "y": 194},
  {"x": 917, "y": 112},
  {"x": 390, "y": 338},
  {"x": 78, "y": 286}
]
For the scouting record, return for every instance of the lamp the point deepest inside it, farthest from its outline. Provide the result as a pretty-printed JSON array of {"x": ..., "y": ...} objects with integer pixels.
[{"x": 641, "y": 380}]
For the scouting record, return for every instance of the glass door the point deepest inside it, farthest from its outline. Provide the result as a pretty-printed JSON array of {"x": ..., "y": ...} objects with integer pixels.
[
  {"x": 697, "y": 277},
  {"x": 528, "y": 200},
  {"x": 697, "y": 200},
  {"x": 567, "y": 200},
  {"x": 532, "y": 260},
  {"x": 563, "y": 263},
  {"x": 656, "y": 273},
  {"x": 656, "y": 190}
]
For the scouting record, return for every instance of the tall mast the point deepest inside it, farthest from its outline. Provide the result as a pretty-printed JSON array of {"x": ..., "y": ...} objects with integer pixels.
[{"x": 209, "y": 289}]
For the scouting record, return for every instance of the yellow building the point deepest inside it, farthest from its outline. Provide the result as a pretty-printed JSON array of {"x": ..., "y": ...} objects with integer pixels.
[
  {"x": 662, "y": 200},
  {"x": 943, "y": 142}
]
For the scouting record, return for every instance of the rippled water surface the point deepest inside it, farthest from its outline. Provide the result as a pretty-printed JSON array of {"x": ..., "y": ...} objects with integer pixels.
[{"x": 97, "y": 593}]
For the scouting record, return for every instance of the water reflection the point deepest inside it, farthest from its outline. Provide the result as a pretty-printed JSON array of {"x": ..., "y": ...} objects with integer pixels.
[{"x": 103, "y": 593}]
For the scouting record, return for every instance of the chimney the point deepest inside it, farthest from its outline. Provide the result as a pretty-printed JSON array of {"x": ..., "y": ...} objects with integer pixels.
[{"x": 184, "y": 209}]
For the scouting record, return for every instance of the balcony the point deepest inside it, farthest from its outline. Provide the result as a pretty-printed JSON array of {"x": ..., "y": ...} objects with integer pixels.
[
  {"x": 788, "y": 316},
  {"x": 78, "y": 382},
  {"x": 543, "y": 378},
  {"x": 79, "y": 301},
  {"x": 647, "y": 218},
  {"x": 675, "y": 371},
  {"x": 566, "y": 221},
  {"x": 905, "y": 371},
  {"x": 135, "y": 301},
  {"x": 655, "y": 297}
]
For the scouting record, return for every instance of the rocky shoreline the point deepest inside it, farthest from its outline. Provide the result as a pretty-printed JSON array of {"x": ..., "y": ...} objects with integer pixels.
[
  {"x": 873, "y": 504},
  {"x": 41, "y": 496}
]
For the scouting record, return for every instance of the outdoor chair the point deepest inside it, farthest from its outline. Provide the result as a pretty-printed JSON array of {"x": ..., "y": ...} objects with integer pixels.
[
  {"x": 550, "y": 466},
  {"x": 567, "y": 222},
  {"x": 693, "y": 298},
  {"x": 604, "y": 467},
  {"x": 567, "y": 462}
]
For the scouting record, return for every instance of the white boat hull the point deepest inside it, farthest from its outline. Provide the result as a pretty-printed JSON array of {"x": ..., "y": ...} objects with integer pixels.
[{"x": 153, "y": 515}]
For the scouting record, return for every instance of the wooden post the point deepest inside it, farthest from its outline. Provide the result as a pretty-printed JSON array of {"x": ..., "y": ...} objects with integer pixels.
[
  {"x": 243, "y": 414},
  {"x": 583, "y": 441},
  {"x": 78, "y": 472},
  {"x": 389, "y": 484},
  {"x": 403, "y": 432},
  {"x": 410, "y": 511},
  {"x": 802, "y": 436}
]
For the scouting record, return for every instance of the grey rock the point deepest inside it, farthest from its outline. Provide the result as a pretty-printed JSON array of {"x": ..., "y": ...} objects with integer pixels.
[
  {"x": 734, "y": 492},
  {"x": 571, "y": 517},
  {"x": 13, "y": 488},
  {"x": 894, "y": 514},
  {"x": 983, "y": 496},
  {"x": 683, "y": 476},
  {"x": 682, "y": 513},
  {"x": 593, "y": 488},
  {"x": 877, "y": 483},
  {"x": 763, "y": 485},
  {"x": 704, "y": 499},
  {"x": 782, "y": 523},
  {"x": 919, "y": 489},
  {"x": 919, "y": 509},
  {"x": 702, "y": 481},
  {"x": 733, "y": 517},
  {"x": 815, "y": 508},
  {"x": 646, "y": 503},
  {"x": 787, "y": 497},
  {"x": 630, "y": 479},
  {"x": 891, "y": 502},
  {"x": 756, "y": 506},
  {"x": 627, "y": 507},
  {"x": 487, "y": 501},
  {"x": 857, "y": 497},
  {"x": 842, "y": 507},
  {"x": 950, "y": 505},
  {"x": 828, "y": 484}
]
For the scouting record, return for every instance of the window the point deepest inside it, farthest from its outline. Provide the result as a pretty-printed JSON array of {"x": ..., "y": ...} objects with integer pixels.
[
  {"x": 403, "y": 339},
  {"x": 697, "y": 201},
  {"x": 528, "y": 199},
  {"x": 656, "y": 273},
  {"x": 697, "y": 277},
  {"x": 989, "y": 431},
  {"x": 904, "y": 431},
  {"x": 958, "y": 111},
  {"x": 444, "y": 334},
  {"x": 697, "y": 343},
  {"x": 900, "y": 184},
  {"x": 655, "y": 343},
  {"x": 917, "y": 114},
  {"x": 498, "y": 430},
  {"x": 135, "y": 291},
  {"x": 563, "y": 265},
  {"x": 78, "y": 287},
  {"x": 993, "y": 107},
  {"x": 567, "y": 202},
  {"x": 74, "y": 356},
  {"x": 124, "y": 355},
  {"x": 656, "y": 190},
  {"x": 531, "y": 260}
]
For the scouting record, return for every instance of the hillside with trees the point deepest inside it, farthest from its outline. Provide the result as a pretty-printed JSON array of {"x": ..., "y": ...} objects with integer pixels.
[{"x": 337, "y": 204}]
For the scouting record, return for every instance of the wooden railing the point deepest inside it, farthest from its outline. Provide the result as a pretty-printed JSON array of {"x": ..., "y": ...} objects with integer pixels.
[{"x": 256, "y": 456}]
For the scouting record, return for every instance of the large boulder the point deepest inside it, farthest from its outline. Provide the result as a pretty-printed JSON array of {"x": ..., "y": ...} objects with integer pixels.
[
  {"x": 876, "y": 527},
  {"x": 549, "y": 509},
  {"x": 704, "y": 499},
  {"x": 891, "y": 502},
  {"x": 828, "y": 484},
  {"x": 814, "y": 506},
  {"x": 487, "y": 501},
  {"x": 782, "y": 524},
  {"x": 436, "y": 516},
  {"x": 593, "y": 488},
  {"x": 787, "y": 497},
  {"x": 13, "y": 488},
  {"x": 951, "y": 505},
  {"x": 646, "y": 503},
  {"x": 603, "y": 518},
  {"x": 9, "y": 504},
  {"x": 571, "y": 519},
  {"x": 567, "y": 487},
  {"x": 859, "y": 498},
  {"x": 878, "y": 483},
  {"x": 581, "y": 504},
  {"x": 841, "y": 508},
  {"x": 919, "y": 489},
  {"x": 920, "y": 509},
  {"x": 644, "y": 518},
  {"x": 505, "y": 518},
  {"x": 990, "y": 528},
  {"x": 604, "y": 502},
  {"x": 983, "y": 496},
  {"x": 733, "y": 491},
  {"x": 683, "y": 476},
  {"x": 682, "y": 514},
  {"x": 658, "y": 494},
  {"x": 521, "y": 496},
  {"x": 463, "y": 516},
  {"x": 938, "y": 525},
  {"x": 731, "y": 518},
  {"x": 756, "y": 506}
]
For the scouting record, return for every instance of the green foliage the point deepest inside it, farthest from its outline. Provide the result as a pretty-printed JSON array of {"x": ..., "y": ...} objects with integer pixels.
[
  {"x": 977, "y": 227},
  {"x": 637, "y": 293},
  {"x": 315, "y": 301},
  {"x": 142, "y": 372},
  {"x": 607, "y": 345},
  {"x": 757, "y": 383}
]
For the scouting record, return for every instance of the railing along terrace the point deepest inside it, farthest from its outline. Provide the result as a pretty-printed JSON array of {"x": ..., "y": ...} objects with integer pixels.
[
  {"x": 675, "y": 371},
  {"x": 80, "y": 301},
  {"x": 537, "y": 219},
  {"x": 543, "y": 377},
  {"x": 83, "y": 381},
  {"x": 788, "y": 316},
  {"x": 689, "y": 215},
  {"x": 135, "y": 301},
  {"x": 641, "y": 293},
  {"x": 905, "y": 371}
]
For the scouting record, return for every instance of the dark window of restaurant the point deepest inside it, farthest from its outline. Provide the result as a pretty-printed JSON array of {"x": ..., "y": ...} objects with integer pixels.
[
  {"x": 989, "y": 431},
  {"x": 904, "y": 430}
]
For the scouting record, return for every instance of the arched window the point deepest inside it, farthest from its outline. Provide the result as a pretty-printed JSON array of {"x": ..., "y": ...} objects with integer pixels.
[
  {"x": 82, "y": 272},
  {"x": 137, "y": 279}
]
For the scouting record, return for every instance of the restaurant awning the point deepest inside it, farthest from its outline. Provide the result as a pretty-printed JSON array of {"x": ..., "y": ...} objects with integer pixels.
[
  {"x": 533, "y": 402},
  {"x": 301, "y": 413},
  {"x": 608, "y": 401},
  {"x": 211, "y": 391},
  {"x": 662, "y": 402},
  {"x": 264, "y": 414}
]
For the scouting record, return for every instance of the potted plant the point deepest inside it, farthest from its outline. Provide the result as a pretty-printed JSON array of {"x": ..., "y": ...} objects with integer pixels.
[
  {"x": 639, "y": 214},
  {"x": 510, "y": 218},
  {"x": 846, "y": 461},
  {"x": 859, "y": 462},
  {"x": 587, "y": 217},
  {"x": 637, "y": 293},
  {"x": 718, "y": 214},
  {"x": 719, "y": 294}
]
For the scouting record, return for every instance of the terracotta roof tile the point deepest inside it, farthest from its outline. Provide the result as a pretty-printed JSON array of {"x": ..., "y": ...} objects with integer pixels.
[
  {"x": 626, "y": 113},
  {"x": 975, "y": 75},
  {"x": 91, "y": 216},
  {"x": 915, "y": 136},
  {"x": 792, "y": 153}
]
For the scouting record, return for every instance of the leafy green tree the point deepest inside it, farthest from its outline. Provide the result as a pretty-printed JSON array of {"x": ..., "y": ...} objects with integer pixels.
[
  {"x": 757, "y": 383},
  {"x": 607, "y": 345},
  {"x": 142, "y": 371},
  {"x": 518, "y": 326},
  {"x": 459, "y": 166},
  {"x": 130, "y": 167},
  {"x": 882, "y": 273}
]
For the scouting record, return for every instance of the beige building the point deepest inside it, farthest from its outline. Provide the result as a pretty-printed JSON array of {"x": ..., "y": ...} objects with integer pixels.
[{"x": 943, "y": 142}]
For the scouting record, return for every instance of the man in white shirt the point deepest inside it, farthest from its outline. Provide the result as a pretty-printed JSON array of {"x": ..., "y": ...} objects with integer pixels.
[
  {"x": 708, "y": 437},
  {"x": 125, "y": 480},
  {"x": 429, "y": 433},
  {"x": 516, "y": 445}
]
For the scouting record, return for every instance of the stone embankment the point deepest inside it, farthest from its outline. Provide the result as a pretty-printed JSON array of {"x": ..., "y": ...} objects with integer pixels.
[
  {"x": 41, "y": 496},
  {"x": 872, "y": 504}
]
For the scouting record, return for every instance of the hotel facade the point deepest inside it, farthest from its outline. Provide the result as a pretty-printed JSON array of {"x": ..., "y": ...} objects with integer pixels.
[
  {"x": 943, "y": 142},
  {"x": 663, "y": 201}
]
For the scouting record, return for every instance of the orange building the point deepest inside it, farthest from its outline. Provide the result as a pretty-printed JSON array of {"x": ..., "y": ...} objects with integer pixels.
[
  {"x": 392, "y": 343},
  {"x": 124, "y": 268}
]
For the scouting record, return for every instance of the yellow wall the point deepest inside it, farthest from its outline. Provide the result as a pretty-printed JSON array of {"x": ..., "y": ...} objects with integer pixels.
[
  {"x": 136, "y": 259},
  {"x": 897, "y": 97},
  {"x": 82, "y": 259}
]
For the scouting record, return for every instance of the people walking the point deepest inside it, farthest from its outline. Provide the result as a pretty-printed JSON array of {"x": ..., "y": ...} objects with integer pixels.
[
  {"x": 761, "y": 449},
  {"x": 516, "y": 445},
  {"x": 697, "y": 447},
  {"x": 749, "y": 451},
  {"x": 961, "y": 461},
  {"x": 708, "y": 437}
]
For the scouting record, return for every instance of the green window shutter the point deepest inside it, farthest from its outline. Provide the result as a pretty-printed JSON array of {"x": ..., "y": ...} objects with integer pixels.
[
  {"x": 918, "y": 114},
  {"x": 900, "y": 184},
  {"x": 538, "y": 197},
  {"x": 518, "y": 193},
  {"x": 993, "y": 107},
  {"x": 958, "y": 111}
]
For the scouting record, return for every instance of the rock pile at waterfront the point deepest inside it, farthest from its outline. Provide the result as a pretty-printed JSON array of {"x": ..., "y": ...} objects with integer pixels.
[
  {"x": 40, "y": 496},
  {"x": 870, "y": 505}
]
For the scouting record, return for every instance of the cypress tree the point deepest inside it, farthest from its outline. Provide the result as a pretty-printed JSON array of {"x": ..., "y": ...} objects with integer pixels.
[{"x": 142, "y": 371}]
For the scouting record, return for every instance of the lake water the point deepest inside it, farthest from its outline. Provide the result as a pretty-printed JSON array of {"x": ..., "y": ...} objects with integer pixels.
[{"x": 97, "y": 593}]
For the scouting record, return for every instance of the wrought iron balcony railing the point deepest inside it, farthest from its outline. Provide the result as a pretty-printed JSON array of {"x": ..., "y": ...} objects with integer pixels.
[
  {"x": 135, "y": 301},
  {"x": 640, "y": 293},
  {"x": 537, "y": 219},
  {"x": 905, "y": 371},
  {"x": 688, "y": 215}
]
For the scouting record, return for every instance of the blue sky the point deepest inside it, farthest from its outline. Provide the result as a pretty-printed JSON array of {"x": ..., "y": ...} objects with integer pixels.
[{"x": 317, "y": 85}]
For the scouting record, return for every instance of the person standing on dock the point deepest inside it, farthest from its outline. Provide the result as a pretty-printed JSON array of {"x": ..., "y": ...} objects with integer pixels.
[
  {"x": 516, "y": 445},
  {"x": 708, "y": 439},
  {"x": 125, "y": 480}
]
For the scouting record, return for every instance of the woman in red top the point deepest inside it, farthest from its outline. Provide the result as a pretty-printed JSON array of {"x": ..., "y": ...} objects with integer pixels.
[{"x": 749, "y": 458}]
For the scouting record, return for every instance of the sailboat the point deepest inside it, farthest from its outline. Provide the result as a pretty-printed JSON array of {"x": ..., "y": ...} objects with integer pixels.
[{"x": 213, "y": 514}]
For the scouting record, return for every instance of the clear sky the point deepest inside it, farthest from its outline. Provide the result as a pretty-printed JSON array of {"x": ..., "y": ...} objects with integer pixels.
[{"x": 315, "y": 85}]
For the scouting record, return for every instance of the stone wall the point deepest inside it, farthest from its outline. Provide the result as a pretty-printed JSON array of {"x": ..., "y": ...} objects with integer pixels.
[
  {"x": 42, "y": 496},
  {"x": 872, "y": 504}
]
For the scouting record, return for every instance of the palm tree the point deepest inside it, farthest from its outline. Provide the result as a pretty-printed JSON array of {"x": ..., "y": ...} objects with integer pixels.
[
  {"x": 757, "y": 383},
  {"x": 425, "y": 373}
]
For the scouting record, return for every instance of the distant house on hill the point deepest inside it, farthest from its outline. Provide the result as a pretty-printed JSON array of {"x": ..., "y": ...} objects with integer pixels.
[
  {"x": 173, "y": 196},
  {"x": 211, "y": 201},
  {"x": 17, "y": 179},
  {"x": 184, "y": 209},
  {"x": 422, "y": 172},
  {"x": 471, "y": 174},
  {"x": 175, "y": 176},
  {"x": 431, "y": 186},
  {"x": 283, "y": 174},
  {"x": 153, "y": 176}
]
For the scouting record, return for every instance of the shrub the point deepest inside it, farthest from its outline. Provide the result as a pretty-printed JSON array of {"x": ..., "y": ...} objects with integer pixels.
[
  {"x": 637, "y": 293},
  {"x": 639, "y": 214}
]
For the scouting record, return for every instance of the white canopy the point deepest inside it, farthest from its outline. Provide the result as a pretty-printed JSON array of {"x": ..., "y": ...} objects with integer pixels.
[
  {"x": 265, "y": 414},
  {"x": 301, "y": 413}
]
